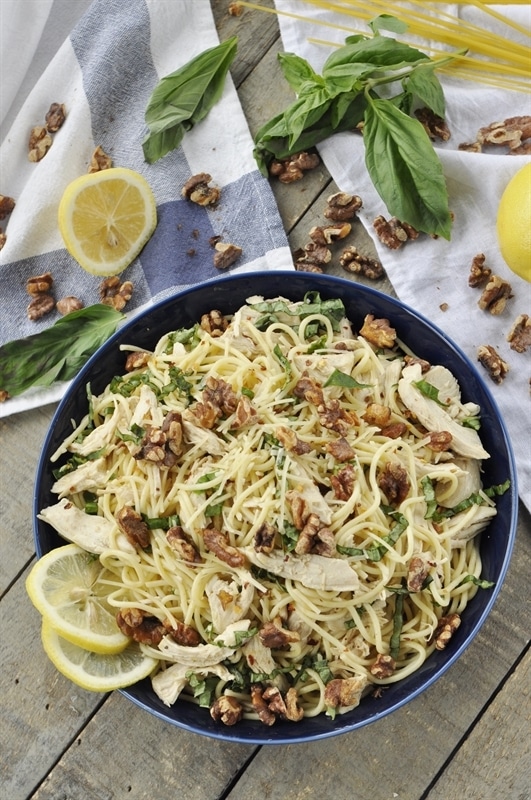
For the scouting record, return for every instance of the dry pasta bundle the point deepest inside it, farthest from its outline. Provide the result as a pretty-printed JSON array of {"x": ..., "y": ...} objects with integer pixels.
[{"x": 287, "y": 508}]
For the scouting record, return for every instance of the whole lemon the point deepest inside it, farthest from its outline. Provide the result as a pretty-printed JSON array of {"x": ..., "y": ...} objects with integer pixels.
[{"x": 513, "y": 224}]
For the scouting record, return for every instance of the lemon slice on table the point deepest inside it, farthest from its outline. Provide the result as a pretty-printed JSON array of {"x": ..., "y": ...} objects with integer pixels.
[
  {"x": 93, "y": 671},
  {"x": 68, "y": 586},
  {"x": 106, "y": 218}
]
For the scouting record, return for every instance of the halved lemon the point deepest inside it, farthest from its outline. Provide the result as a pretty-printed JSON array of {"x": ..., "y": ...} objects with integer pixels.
[
  {"x": 106, "y": 218},
  {"x": 70, "y": 588},
  {"x": 93, "y": 671}
]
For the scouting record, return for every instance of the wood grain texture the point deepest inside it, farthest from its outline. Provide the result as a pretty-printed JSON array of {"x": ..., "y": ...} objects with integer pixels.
[{"x": 495, "y": 759}]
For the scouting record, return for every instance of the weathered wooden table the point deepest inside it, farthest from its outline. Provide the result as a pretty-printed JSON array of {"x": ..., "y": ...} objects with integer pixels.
[{"x": 467, "y": 736}]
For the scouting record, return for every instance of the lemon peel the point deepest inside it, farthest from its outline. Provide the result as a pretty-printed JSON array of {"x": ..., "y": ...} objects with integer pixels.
[{"x": 513, "y": 223}]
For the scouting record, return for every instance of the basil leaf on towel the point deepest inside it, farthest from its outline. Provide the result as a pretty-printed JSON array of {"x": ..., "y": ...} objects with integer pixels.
[
  {"x": 56, "y": 353},
  {"x": 183, "y": 98}
]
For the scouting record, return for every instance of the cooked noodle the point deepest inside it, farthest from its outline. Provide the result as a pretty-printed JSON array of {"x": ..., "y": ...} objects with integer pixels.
[{"x": 272, "y": 462}]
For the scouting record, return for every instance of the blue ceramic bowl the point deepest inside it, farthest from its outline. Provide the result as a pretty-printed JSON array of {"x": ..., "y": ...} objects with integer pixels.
[{"x": 227, "y": 294}]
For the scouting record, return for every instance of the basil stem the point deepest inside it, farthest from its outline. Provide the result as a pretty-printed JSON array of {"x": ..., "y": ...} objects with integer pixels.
[
  {"x": 183, "y": 98},
  {"x": 56, "y": 353}
]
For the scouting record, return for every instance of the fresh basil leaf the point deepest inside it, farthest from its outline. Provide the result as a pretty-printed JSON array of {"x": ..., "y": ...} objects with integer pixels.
[
  {"x": 398, "y": 622},
  {"x": 498, "y": 489},
  {"x": 471, "y": 422},
  {"x": 477, "y": 582},
  {"x": 429, "y": 496},
  {"x": 404, "y": 168},
  {"x": 424, "y": 84},
  {"x": 56, "y": 353},
  {"x": 429, "y": 391},
  {"x": 184, "y": 97},
  {"x": 297, "y": 71},
  {"x": 338, "y": 378},
  {"x": 386, "y": 22},
  {"x": 381, "y": 53}
]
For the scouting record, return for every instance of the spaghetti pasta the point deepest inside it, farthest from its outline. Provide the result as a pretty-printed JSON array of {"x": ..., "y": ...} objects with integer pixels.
[{"x": 291, "y": 508}]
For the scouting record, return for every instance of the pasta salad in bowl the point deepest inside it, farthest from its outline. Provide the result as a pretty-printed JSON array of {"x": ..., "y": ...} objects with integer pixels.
[{"x": 300, "y": 496}]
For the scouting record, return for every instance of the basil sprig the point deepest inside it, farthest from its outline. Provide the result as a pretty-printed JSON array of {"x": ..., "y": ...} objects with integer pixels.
[
  {"x": 399, "y": 155},
  {"x": 56, "y": 353},
  {"x": 183, "y": 98}
]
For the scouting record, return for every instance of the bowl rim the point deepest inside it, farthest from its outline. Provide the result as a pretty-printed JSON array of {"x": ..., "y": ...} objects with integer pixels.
[{"x": 342, "y": 723}]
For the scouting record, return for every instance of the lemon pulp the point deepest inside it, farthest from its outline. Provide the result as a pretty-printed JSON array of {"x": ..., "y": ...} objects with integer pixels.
[
  {"x": 106, "y": 218},
  {"x": 69, "y": 587}
]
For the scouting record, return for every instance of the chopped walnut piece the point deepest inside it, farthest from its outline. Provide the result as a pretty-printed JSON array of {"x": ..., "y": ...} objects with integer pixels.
[
  {"x": 383, "y": 667},
  {"x": 417, "y": 571},
  {"x": 214, "y": 323},
  {"x": 377, "y": 414},
  {"x": 226, "y": 254},
  {"x": 479, "y": 273},
  {"x": 291, "y": 442},
  {"x": 182, "y": 633},
  {"x": 336, "y": 418},
  {"x": 198, "y": 190},
  {"x": 299, "y": 510},
  {"x": 470, "y": 147},
  {"x": 519, "y": 336},
  {"x": 434, "y": 125},
  {"x": 440, "y": 441},
  {"x": 3, "y": 238},
  {"x": 245, "y": 413},
  {"x": 292, "y": 168},
  {"x": 495, "y": 295},
  {"x": 133, "y": 526},
  {"x": 183, "y": 545},
  {"x": 393, "y": 480},
  {"x": 217, "y": 542},
  {"x": 39, "y": 284},
  {"x": 393, "y": 233},
  {"x": 353, "y": 261},
  {"x": 310, "y": 390},
  {"x": 293, "y": 711},
  {"x": 226, "y": 709},
  {"x": 235, "y": 9},
  {"x": 424, "y": 365},
  {"x": 137, "y": 359},
  {"x": 343, "y": 482},
  {"x": 308, "y": 534},
  {"x": 328, "y": 234},
  {"x": 172, "y": 427},
  {"x": 312, "y": 258},
  {"x": 41, "y": 305},
  {"x": 140, "y": 626},
  {"x": 510, "y": 132},
  {"x": 342, "y": 206},
  {"x": 99, "y": 160},
  {"x": 68, "y": 304},
  {"x": 264, "y": 538},
  {"x": 55, "y": 117},
  {"x": 445, "y": 629},
  {"x": 394, "y": 430},
  {"x": 115, "y": 294},
  {"x": 274, "y": 636},
  {"x": 4, "y": 395},
  {"x": 7, "y": 204},
  {"x": 39, "y": 143},
  {"x": 344, "y": 692},
  {"x": 219, "y": 393},
  {"x": 261, "y": 707},
  {"x": 378, "y": 332},
  {"x": 341, "y": 450},
  {"x": 489, "y": 358}
]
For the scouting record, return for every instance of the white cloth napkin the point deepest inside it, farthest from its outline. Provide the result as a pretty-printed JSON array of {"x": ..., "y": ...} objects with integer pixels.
[
  {"x": 104, "y": 73},
  {"x": 427, "y": 274}
]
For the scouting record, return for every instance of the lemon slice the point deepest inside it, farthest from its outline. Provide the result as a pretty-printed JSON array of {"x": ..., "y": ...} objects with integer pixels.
[
  {"x": 106, "y": 218},
  {"x": 93, "y": 671},
  {"x": 68, "y": 586}
]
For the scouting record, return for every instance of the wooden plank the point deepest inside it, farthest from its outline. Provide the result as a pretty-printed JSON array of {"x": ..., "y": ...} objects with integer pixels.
[
  {"x": 400, "y": 755},
  {"x": 495, "y": 761},
  {"x": 256, "y": 32},
  {"x": 124, "y": 752},
  {"x": 21, "y": 439},
  {"x": 41, "y": 711}
]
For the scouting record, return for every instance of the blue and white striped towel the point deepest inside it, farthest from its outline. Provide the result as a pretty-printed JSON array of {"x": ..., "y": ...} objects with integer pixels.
[{"x": 104, "y": 74}]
